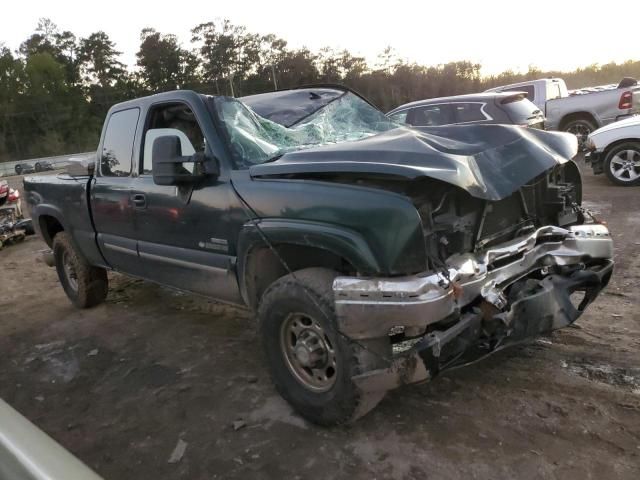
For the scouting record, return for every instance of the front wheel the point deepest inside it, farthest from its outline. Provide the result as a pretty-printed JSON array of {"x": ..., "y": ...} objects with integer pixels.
[
  {"x": 18, "y": 169},
  {"x": 311, "y": 364},
  {"x": 622, "y": 164},
  {"x": 84, "y": 284}
]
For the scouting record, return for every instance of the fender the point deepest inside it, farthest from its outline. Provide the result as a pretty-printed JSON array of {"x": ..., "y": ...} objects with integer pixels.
[
  {"x": 84, "y": 239},
  {"x": 340, "y": 241},
  {"x": 39, "y": 210}
]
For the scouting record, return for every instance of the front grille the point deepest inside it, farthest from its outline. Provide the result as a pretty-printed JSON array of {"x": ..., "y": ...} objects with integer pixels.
[{"x": 502, "y": 221}]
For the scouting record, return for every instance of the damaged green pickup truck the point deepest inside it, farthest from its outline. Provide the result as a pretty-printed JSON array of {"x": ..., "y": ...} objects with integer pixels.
[{"x": 374, "y": 254}]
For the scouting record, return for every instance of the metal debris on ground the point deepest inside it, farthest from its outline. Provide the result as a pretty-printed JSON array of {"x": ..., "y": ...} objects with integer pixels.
[
  {"x": 178, "y": 451},
  {"x": 238, "y": 424}
]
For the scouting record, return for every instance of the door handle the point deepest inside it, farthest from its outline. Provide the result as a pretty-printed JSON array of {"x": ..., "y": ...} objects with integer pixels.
[{"x": 139, "y": 200}]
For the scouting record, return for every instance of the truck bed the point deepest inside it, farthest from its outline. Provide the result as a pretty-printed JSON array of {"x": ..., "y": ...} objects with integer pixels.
[
  {"x": 63, "y": 199},
  {"x": 602, "y": 105}
]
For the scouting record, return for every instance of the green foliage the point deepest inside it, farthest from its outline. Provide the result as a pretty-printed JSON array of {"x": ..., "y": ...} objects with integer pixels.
[{"x": 56, "y": 89}]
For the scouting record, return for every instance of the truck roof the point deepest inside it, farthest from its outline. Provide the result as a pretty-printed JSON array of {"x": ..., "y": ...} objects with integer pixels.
[
  {"x": 528, "y": 82},
  {"x": 184, "y": 95},
  {"x": 288, "y": 107}
]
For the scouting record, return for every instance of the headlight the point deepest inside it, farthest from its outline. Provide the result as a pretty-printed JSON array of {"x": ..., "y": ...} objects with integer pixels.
[{"x": 589, "y": 145}]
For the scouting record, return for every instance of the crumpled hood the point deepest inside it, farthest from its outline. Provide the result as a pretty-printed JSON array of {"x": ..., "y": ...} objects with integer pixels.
[{"x": 488, "y": 161}]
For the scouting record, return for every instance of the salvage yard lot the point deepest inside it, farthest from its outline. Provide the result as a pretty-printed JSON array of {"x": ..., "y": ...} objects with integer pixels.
[{"x": 120, "y": 384}]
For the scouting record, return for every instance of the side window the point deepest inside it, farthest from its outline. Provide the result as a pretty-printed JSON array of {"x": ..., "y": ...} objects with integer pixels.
[
  {"x": 172, "y": 119},
  {"x": 431, "y": 116},
  {"x": 531, "y": 93},
  {"x": 553, "y": 91},
  {"x": 400, "y": 117},
  {"x": 117, "y": 149},
  {"x": 469, "y": 112}
]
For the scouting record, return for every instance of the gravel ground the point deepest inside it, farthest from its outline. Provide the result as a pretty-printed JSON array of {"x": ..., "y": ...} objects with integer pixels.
[{"x": 121, "y": 385}]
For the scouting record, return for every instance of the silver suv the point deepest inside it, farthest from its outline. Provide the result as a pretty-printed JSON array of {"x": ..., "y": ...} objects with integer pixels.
[{"x": 502, "y": 108}]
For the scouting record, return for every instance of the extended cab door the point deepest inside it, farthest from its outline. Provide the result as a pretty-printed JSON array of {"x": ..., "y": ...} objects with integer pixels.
[
  {"x": 112, "y": 206},
  {"x": 183, "y": 232}
]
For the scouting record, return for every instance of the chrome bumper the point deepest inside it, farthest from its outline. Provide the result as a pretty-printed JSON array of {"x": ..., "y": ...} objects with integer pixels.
[{"x": 371, "y": 307}]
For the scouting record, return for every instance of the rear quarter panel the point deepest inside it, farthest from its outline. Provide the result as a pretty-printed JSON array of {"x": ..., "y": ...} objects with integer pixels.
[{"x": 64, "y": 198}]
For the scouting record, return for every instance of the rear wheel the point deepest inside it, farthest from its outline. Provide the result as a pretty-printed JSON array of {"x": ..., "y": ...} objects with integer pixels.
[
  {"x": 85, "y": 285},
  {"x": 581, "y": 127},
  {"x": 18, "y": 169},
  {"x": 622, "y": 164},
  {"x": 38, "y": 167},
  {"x": 311, "y": 364}
]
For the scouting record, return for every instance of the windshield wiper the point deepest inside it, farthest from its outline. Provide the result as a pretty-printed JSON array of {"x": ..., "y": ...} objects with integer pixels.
[{"x": 276, "y": 157}]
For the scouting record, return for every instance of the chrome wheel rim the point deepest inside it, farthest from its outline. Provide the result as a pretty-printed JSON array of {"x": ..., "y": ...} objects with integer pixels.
[
  {"x": 308, "y": 352},
  {"x": 581, "y": 131},
  {"x": 70, "y": 271},
  {"x": 625, "y": 165}
]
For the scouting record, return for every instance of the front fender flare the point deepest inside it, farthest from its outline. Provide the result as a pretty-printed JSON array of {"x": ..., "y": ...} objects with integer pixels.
[{"x": 340, "y": 241}]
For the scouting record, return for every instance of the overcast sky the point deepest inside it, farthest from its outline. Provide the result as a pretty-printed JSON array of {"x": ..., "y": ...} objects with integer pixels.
[{"x": 556, "y": 34}]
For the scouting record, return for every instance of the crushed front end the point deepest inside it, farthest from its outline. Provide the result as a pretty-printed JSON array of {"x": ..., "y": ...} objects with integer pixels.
[{"x": 500, "y": 273}]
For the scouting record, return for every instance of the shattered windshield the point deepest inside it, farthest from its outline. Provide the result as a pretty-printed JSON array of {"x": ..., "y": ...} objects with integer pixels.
[{"x": 254, "y": 139}]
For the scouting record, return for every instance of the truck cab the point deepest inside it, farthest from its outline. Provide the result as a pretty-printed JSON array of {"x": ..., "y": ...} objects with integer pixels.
[{"x": 538, "y": 91}]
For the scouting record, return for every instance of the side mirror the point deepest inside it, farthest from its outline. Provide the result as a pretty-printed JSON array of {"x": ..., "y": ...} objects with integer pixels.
[{"x": 167, "y": 162}]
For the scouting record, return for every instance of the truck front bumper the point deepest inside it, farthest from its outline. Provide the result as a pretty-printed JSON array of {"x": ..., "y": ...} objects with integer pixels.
[{"x": 505, "y": 295}]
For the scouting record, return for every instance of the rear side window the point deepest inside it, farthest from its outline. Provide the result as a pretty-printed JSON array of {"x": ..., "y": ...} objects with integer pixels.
[
  {"x": 469, "y": 112},
  {"x": 117, "y": 149},
  {"x": 531, "y": 92},
  {"x": 520, "y": 111},
  {"x": 431, "y": 116},
  {"x": 553, "y": 90}
]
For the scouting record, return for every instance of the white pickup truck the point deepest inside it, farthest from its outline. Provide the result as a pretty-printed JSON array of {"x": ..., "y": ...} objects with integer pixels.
[{"x": 579, "y": 111}]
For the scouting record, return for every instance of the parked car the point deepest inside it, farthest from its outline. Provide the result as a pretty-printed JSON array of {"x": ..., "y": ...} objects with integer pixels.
[
  {"x": 504, "y": 108},
  {"x": 615, "y": 150},
  {"x": 4, "y": 192},
  {"x": 373, "y": 254},
  {"x": 43, "y": 165},
  {"x": 27, "y": 453},
  {"x": 582, "y": 111},
  {"x": 21, "y": 168}
]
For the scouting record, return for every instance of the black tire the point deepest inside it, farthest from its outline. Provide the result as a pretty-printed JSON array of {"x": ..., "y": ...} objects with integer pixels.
[
  {"x": 38, "y": 167},
  {"x": 85, "y": 285},
  {"x": 18, "y": 169},
  {"x": 581, "y": 127},
  {"x": 309, "y": 293},
  {"x": 626, "y": 174}
]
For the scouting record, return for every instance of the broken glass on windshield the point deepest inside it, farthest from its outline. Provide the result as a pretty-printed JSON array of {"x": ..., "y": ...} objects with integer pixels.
[{"x": 255, "y": 139}]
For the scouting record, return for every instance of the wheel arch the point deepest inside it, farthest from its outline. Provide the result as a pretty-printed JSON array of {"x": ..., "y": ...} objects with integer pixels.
[
  {"x": 300, "y": 245},
  {"x": 614, "y": 144},
  {"x": 583, "y": 115},
  {"x": 49, "y": 223}
]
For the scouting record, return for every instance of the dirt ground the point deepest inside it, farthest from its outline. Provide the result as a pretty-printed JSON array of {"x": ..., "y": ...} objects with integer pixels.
[{"x": 120, "y": 384}]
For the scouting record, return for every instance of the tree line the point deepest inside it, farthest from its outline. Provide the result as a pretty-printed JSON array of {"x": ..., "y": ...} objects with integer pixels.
[{"x": 56, "y": 88}]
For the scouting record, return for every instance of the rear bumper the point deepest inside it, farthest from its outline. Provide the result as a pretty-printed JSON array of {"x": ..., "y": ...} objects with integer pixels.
[{"x": 507, "y": 294}]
